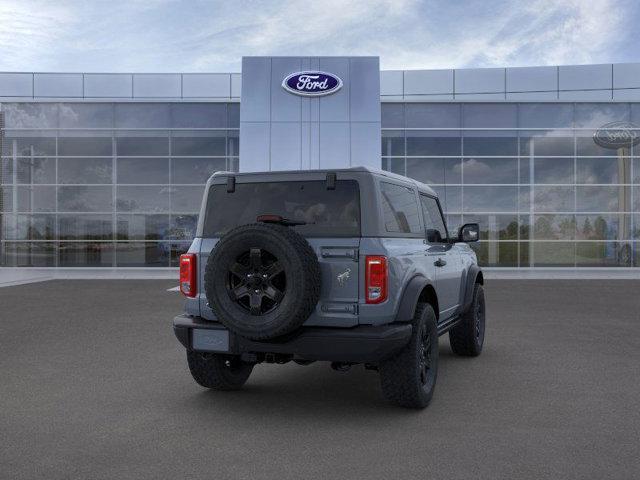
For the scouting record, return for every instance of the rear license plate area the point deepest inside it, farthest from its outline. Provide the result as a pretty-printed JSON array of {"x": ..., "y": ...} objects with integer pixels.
[{"x": 210, "y": 340}]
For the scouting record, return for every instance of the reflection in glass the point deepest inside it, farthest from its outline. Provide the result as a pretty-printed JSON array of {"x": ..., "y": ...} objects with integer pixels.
[
  {"x": 85, "y": 227},
  {"x": 524, "y": 199},
  {"x": 86, "y": 115},
  {"x": 554, "y": 227},
  {"x": 490, "y": 199},
  {"x": 143, "y": 199},
  {"x": 553, "y": 170},
  {"x": 489, "y": 144},
  {"x": 553, "y": 254},
  {"x": 143, "y": 227},
  {"x": 495, "y": 227},
  {"x": 450, "y": 198},
  {"x": 433, "y": 143},
  {"x": 435, "y": 170},
  {"x": 553, "y": 199},
  {"x": 394, "y": 165},
  {"x": 69, "y": 172},
  {"x": 143, "y": 254},
  {"x": 142, "y": 115},
  {"x": 142, "y": 146},
  {"x": 598, "y": 114},
  {"x": 603, "y": 170},
  {"x": 545, "y": 115},
  {"x": 525, "y": 227},
  {"x": 85, "y": 199},
  {"x": 490, "y": 170},
  {"x": 186, "y": 199},
  {"x": 21, "y": 254},
  {"x": 433, "y": 115},
  {"x": 168, "y": 213},
  {"x": 30, "y": 115},
  {"x": 601, "y": 198},
  {"x": 603, "y": 254},
  {"x": 198, "y": 115},
  {"x": 195, "y": 170},
  {"x": 35, "y": 170},
  {"x": 636, "y": 170},
  {"x": 525, "y": 166},
  {"x": 392, "y": 143},
  {"x": 6, "y": 170},
  {"x": 6, "y": 199},
  {"x": 211, "y": 144},
  {"x": 42, "y": 144},
  {"x": 33, "y": 227},
  {"x": 494, "y": 254},
  {"x": 36, "y": 199},
  {"x": 85, "y": 170},
  {"x": 183, "y": 227},
  {"x": 454, "y": 222},
  {"x": 79, "y": 254},
  {"x": 546, "y": 144},
  {"x": 177, "y": 249},
  {"x": 143, "y": 170},
  {"x": 490, "y": 115},
  {"x": 602, "y": 226},
  {"x": 89, "y": 146}
]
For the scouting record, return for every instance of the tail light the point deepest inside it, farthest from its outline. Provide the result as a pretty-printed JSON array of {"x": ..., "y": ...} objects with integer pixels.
[
  {"x": 188, "y": 275},
  {"x": 376, "y": 278}
]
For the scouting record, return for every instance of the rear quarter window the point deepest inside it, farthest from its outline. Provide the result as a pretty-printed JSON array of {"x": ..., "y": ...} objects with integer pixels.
[
  {"x": 400, "y": 209},
  {"x": 327, "y": 213}
]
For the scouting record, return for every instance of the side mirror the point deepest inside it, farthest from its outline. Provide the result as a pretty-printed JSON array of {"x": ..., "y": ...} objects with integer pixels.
[{"x": 469, "y": 232}]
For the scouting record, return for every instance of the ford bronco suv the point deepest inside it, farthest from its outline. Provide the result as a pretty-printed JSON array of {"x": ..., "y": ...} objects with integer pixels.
[{"x": 352, "y": 266}]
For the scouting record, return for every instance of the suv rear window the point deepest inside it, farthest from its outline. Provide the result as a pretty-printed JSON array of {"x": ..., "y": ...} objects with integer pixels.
[
  {"x": 327, "y": 213},
  {"x": 400, "y": 209}
]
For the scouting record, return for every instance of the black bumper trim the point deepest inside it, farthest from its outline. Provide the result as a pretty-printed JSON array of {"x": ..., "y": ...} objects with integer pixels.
[{"x": 361, "y": 344}]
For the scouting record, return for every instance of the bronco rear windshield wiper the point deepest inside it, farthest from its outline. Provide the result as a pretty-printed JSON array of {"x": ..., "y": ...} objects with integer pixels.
[{"x": 279, "y": 219}]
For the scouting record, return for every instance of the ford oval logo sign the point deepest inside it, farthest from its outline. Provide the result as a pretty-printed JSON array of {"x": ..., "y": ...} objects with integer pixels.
[
  {"x": 617, "y": 135},
  {"x": 312, "y": 83}
]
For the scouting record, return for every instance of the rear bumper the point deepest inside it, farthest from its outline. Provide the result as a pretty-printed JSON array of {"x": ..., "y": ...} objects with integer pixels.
[{"x": 361, "y": 344}]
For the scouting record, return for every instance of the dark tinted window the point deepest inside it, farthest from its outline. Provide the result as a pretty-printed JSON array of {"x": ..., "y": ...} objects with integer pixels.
[
  {"x": 400, "y": 209},
  {"x": 434, "y": 223},
  {"x": 328, "y": 213}
]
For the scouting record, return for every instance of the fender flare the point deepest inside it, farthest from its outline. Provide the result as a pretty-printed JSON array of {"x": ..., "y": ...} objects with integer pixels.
[
  {"x": 472, "y": 275},
  {"x": 410, "y": 297}
]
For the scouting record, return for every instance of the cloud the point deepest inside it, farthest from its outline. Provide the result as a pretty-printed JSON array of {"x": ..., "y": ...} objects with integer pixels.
[{"x": 165, "y": 35}]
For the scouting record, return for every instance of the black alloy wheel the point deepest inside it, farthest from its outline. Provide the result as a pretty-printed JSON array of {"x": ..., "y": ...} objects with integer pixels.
[
  {"x": 425, "y": 356},
  {"x": 257, "y": 281},
  {"x": 478, "y": 313}
]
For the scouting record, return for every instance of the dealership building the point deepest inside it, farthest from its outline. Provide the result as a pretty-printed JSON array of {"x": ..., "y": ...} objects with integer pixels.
[{"x": 108, "y": 170}]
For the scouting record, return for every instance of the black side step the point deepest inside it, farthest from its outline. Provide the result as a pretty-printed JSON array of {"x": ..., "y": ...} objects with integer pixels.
[{"x": 447, "y": 325}]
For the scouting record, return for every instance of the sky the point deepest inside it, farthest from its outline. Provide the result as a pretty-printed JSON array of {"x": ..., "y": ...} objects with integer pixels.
[{"x": 212, "y": 36}]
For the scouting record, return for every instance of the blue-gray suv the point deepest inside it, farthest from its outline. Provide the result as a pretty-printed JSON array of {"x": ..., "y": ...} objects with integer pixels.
[{"x": 351, "y": 266}]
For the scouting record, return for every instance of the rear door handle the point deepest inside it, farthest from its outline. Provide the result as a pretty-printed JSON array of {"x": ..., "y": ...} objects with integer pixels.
[{"x": 440, "y": 263}]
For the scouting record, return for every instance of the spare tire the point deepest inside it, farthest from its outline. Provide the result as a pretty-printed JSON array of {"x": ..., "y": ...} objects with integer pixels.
[{"x": 262, "y": 281}]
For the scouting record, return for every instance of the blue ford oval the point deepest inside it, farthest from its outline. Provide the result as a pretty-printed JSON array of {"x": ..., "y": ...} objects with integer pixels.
[{"x": 312, "y": 83}]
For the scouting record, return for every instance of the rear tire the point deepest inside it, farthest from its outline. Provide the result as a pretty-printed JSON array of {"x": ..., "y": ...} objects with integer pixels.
[
  {"x": 262, "y": 281},
  {"x": 467, "y": 338},
  {"x": 409, "y": 378},
  {"x": 218, "y": 372}
]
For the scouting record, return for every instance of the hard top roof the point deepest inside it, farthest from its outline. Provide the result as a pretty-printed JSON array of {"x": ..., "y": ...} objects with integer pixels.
[{"x": 373, "y": 171}]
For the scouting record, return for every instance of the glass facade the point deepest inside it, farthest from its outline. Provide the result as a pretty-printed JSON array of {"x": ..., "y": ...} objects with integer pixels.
[
  {"x": 119, "y": 184},
  {"x": 531, "y": 174},
  {"x": 108, "y": 184}
]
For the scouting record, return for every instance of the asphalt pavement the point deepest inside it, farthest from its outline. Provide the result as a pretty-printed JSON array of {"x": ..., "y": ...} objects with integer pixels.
[{"x": 94, "y": 385}]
